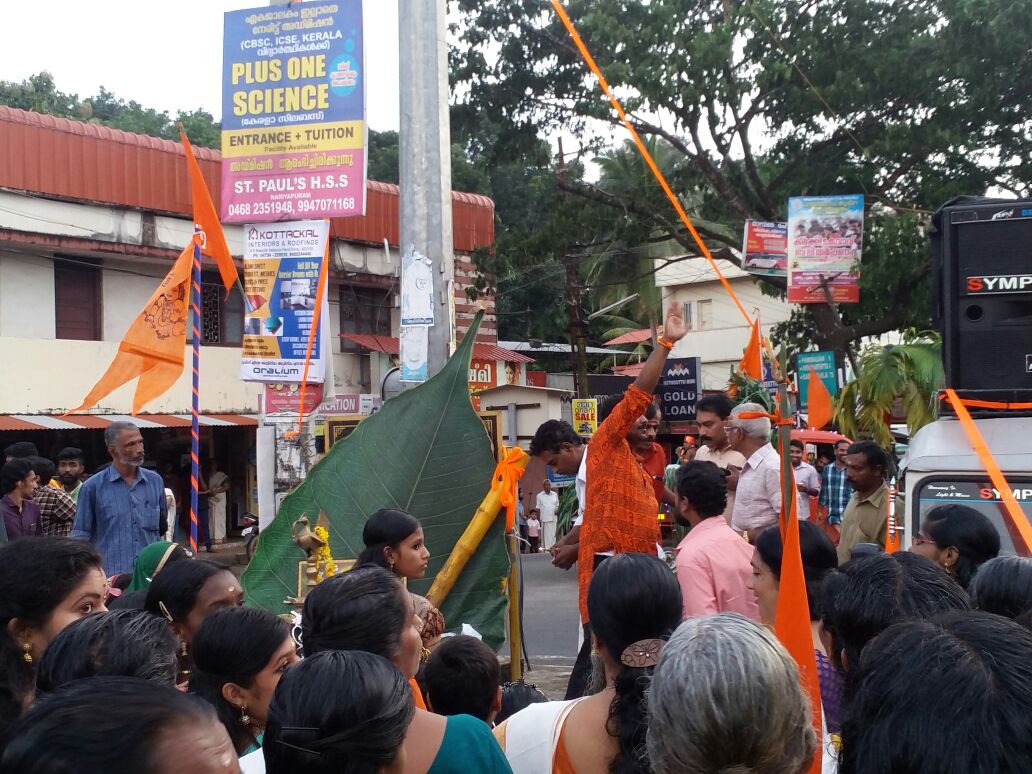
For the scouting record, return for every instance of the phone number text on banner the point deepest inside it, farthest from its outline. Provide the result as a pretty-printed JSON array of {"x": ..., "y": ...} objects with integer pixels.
[{"x": 293, "y": 113}]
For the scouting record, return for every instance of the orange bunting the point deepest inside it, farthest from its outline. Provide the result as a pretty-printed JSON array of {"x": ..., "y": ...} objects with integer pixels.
[
  {"x": 153, "y": 347},
  {"x": 1012, "y": 510},
  {"x": 819, "y": 410},
  {"x": 792, "y": 619},
  {"x": 506, "y": 478},
  {"x": 752, "y": 361},
  {"x": 213, "y": 242}
]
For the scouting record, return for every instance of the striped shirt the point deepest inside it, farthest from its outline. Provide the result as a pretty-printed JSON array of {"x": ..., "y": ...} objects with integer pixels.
[
  {"x": 119, "y": 519},
  {"x": 835, "y": 492}
]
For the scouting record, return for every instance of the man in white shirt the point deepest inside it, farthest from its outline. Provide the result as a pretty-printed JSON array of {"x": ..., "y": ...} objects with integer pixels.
[
  {"x": 547, "y": 504},
  {"x": 808, "y": 480},
  {"x": 758, "y": 493},
  {"x": 712, "y": 413}
]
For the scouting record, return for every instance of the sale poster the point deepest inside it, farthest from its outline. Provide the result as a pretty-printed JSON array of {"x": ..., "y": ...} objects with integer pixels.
[{"x": 585, "y": 416}]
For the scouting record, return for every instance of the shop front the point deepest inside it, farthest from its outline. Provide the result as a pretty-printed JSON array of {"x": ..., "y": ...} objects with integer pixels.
[{"x": 229, "y": 439}]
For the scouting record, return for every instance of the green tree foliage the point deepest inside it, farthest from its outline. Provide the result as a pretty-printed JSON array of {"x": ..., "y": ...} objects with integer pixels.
[
  {"x": 910, "y": 374},
  {"x": 40, "y": 94},
  {"x": 909, "y": 102}
]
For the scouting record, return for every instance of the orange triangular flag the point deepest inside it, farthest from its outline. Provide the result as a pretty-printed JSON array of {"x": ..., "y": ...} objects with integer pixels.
[
  {"x": 818, "y": 410},
  {"x": 213, "y": 242},
  {"x": 792, "y": 619},
  {"x": 153, "y": 347},
  {"x": 752, "y": 361}
]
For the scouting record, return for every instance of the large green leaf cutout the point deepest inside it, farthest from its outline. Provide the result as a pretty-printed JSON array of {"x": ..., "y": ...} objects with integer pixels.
[{"x": 426, "y": 452}]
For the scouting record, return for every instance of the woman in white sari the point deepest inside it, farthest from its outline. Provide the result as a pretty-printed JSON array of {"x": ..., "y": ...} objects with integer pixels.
[{"x": 634, "y": 603}]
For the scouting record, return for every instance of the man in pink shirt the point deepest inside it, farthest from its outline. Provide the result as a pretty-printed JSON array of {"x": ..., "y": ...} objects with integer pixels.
[{"x": 714, "y": 563}]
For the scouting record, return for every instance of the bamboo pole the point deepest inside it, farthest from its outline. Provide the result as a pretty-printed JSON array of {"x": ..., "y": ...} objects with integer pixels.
[
  {"x": 515, "y": 627},
  {"x": 470, "y": 540}
]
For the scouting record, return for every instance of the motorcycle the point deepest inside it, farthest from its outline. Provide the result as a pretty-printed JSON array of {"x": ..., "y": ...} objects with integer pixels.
[{"x": 250, "y": 534}]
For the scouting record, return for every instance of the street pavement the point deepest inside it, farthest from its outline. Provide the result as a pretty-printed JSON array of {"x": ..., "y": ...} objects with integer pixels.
[{"x": 550, "y": 623}]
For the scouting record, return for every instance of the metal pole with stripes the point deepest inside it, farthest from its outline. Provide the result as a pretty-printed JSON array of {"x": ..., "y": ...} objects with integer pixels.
[{"x": 195, "y": 430}]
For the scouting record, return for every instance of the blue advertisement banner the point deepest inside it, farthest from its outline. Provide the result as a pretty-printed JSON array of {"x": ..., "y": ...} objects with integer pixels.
[
  {"x": 281, "y": 281},
  {"x": 678, "y": 389},
  {"x": 293, "y": 112}
]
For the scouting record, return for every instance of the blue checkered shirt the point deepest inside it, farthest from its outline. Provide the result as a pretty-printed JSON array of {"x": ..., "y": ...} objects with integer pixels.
[{"x": 835, "y": 492}]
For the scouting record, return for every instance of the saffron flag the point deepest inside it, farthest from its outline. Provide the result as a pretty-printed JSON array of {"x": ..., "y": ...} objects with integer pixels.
[
  {"x": 213, "y": 242},
  {"x": 752, "y": 361},
  {"x": 152, "y": 348},
  {"x": 792, "y": 619},
  {"x": 819, "y": 411}
]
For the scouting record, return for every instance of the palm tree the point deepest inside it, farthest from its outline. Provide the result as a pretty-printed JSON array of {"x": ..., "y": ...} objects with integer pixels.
[{"x": 910, "y": 372}]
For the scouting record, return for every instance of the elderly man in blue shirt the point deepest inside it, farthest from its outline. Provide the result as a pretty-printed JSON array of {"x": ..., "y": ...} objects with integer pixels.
[{"x": 122, "y": 509}]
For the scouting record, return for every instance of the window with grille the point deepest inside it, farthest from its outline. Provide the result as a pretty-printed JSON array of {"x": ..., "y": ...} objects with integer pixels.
[
  {"x": 364, "y": 310},
  {"x": 222, "y": 318}
]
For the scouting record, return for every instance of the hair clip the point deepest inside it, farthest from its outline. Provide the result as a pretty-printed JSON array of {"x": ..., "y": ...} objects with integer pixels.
[
  {"x": 302, "y": 737},
  {"x": 164, "y": 612},
  {"x": 642, "y": 654}
]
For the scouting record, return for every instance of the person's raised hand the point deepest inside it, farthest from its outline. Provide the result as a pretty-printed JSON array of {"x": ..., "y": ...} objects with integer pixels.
[{"x": 675, "y": 328}]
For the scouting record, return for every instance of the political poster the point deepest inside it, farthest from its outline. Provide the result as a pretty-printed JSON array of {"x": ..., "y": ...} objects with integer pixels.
[
  {"x": 281, "y": 282},
  {"x": 417, "y": 290},
  {"x": 585, "y": 416},
  {"x": 825, "y": 241},
  {"x": 293, "y": 112},
  {"x": 414, "y": 345},
  {"x": 765, "y": 248},
  {"x": 679, "y": 387},
  {"x": 824, "y": 364}
]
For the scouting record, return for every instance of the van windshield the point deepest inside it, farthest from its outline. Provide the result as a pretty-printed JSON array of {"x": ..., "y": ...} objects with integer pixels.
[{"x": 979, "y": 494}]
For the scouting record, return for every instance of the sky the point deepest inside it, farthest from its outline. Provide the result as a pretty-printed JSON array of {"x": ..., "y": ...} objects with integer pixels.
[{"x": 166, "y": 56}]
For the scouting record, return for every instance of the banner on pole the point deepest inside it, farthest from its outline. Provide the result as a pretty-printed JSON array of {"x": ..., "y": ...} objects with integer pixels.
[
  {"x": 417, "y": 290},
  {"x": 414, "y": 344},
  {"x": 281, "y": 279},
  {"x": 824, "y": 364},
  {"x": 585, "y": 416},
  {"x": 825, "y": 241},
  {"x": 678, "y": 389},
  {"x": 765, "y": 249},
  {"x": 293, "y": 112}
]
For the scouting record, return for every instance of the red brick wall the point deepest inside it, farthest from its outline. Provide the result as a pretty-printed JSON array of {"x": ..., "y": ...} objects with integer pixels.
[{"x": 465, "y": 310}]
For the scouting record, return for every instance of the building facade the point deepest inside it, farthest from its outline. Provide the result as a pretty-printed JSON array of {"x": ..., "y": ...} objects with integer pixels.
[
  {"x": 91, "y": 219},
  {"x": 718, "y": 332}
]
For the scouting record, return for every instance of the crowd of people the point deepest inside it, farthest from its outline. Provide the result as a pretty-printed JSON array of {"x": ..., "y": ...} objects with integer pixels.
[
  {"x": 924, "y": 657},
  {"x": 122, "y": 505}
]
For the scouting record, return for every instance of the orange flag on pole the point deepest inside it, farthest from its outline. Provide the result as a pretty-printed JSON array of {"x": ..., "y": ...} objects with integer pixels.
[
  {"x": 818, "y": 411},
  {"x": 792, "y": 619},
  {"x": 152, "y": 348},
  {"x": 752, "y": 361},
  {"x": 213, "y": 243}
]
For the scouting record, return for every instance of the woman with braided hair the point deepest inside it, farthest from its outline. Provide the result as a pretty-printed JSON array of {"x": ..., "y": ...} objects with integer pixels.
[{"x": 635, "y": 603}]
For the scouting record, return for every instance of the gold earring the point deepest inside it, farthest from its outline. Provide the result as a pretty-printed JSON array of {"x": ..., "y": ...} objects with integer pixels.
[
  {"x": 245, "y": 719},
  {"x": 27, "y": 652}
]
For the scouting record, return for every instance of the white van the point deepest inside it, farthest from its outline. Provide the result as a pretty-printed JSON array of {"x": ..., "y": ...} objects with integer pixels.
[{"x": 941, "y": 467}]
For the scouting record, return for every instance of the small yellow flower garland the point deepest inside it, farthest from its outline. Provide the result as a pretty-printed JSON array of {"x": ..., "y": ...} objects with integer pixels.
[{"x": 323, "y": 557}]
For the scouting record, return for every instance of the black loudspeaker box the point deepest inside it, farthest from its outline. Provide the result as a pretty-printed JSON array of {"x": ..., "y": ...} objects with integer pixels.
[{"x": 982, "y": 279}]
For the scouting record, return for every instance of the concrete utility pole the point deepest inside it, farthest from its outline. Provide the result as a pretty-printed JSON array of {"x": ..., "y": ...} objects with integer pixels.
[{"x": 425, "y": 158}]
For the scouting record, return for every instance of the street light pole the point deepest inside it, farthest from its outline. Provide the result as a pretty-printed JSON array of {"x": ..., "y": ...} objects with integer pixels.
[{"x": 425, "y": 159}]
